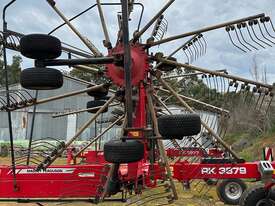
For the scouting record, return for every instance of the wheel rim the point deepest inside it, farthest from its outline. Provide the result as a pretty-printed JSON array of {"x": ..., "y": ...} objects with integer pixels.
[{"x": 233, "y": 191}]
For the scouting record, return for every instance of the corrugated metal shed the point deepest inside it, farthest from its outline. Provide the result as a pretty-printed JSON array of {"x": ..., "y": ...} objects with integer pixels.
[{"x": 45, "y": 125}]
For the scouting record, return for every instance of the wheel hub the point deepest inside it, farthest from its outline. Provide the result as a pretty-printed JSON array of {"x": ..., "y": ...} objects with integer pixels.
[
  {"x": 233, "y": 191},
  {"x": 139, "y": 65}
]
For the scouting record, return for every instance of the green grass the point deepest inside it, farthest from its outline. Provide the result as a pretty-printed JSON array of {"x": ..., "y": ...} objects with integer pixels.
[{"x": 258, "y": 141}]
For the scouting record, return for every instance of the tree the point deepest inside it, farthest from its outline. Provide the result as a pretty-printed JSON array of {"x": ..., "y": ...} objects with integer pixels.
[
  {"x": 14, "y": 70},
  {"x": 97, "y": 78}
]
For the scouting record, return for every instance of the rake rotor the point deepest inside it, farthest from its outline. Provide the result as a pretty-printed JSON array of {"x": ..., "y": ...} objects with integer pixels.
[{"x": 145, "y": 94}]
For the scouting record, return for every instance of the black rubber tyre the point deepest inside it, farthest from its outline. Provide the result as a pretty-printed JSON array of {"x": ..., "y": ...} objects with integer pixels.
[
  {"x": 167, "y": 67},
  {"x": 41, "y": 78},
  {"x": 230, "y": 191},
  {"x": 99, "y": 93},
  {"x": 40, "y": 46},
  {"x": 179, "y": 125},
  {"x": 256, "y": 196},
  {"x": 117, "y": 151},
  {"x": 96, "y": 103}
]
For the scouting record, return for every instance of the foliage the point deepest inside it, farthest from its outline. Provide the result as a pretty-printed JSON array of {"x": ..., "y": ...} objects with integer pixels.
[
  {"x": 14, "y": 70},
  {"x": 97, "y": 78}
]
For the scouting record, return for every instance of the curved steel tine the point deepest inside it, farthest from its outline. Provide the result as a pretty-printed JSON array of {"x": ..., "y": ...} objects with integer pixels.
[
  {"x": 14, "y": 102},
  {"x": 213, "y": 123},
  {"x": 233, "y": 28},
  {"x": 17, "y": 94},
  {"x": 162, "y": 28},
  {"x": 162, "y": 35},
  {"x": 28, "y": 93},
  {"x": 196, "y": 49},
  {"x": 11, "y": 41},
  {"x": 263, "y": 22},
  {"x": 207, "y": 84},
  {"x": 14, "y": 41},
  {"x": 271, "y": 94},
  {"x": 224, "y": 132},
  {"x": 183, "y": 49},
  {"x": 210, "y": 77},
  {"x": 247, "y": 89},
  {"x": 230, "y": 37},
  {"x": 42, "y": 143},
  {"x": 223, "y": 90},
  {"x": 194, "y": 53},
  {"x": 242, "y": 90},
  {"x": 259, "y": 91},
  {"x": 240, "y": 93},
  {"x": 203, "y": 80},
  {"x": 250, "y": 35},
  {"x": 222, "y": 83},
  {"x": 254, "y": 90},
  {"x": 261, "y": 31},
  {"x": 266, "y": 93},
  {"x": 41, "y": 146},
  {"x": 237, "y": 87},
  {"x": 251, "y": 24},
  {"x": 215, "y": 86},
  {"x": 3, "y": 101},
  {"x": 49, "y": 138},
  {"x": 239, "y": 26},
  {"x": 227, "y": 94},
  {"x": 204, "y": 41},
  {"x": 272, "y": 26},
  {"x": 191, "y": 54},
  {"x": 200, "y": 46},
  {"x": 219, "y": 86},
  {"x": 158, "y": 35},
  {"x": 224, "y": 86},
  {"x": 23, "y": 96}
]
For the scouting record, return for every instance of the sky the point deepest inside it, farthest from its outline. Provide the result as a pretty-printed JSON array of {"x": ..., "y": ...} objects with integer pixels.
[{"x": 33, "y": 16}]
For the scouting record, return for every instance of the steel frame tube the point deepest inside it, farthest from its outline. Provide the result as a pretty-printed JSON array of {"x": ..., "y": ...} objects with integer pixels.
[
  {"x": 79, "y": 111},
  {"x": 206, "y": 29},
  {"x": 160, "y": 143},
  {"x": 90, "y": 121},
  {"x": 32, "y": 129},
  {"x": 189, "y": 74},
  {"x": 94, "y": 88},
  {"x": 73, "y": 62},
  {"x": 191, "y": 67},
  {"x": 82, "y": 129},
  {"x": 85, "y": 82},
  {"x": 107, "y": 42},
  {"x": 5, "y": 27},
  {"x": 220, "y": 110},
  {"x": 86, "y": 68},
  {"x": 98, "y": 136},
  {"x": 93, "y": 49},
  {"x": 127, "y": 63}
]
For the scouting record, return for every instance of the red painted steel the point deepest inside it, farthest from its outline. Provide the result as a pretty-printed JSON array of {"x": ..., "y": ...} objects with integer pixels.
[
  {"x": 187, "y": 171},
  {"x": 56, "y": 182}
]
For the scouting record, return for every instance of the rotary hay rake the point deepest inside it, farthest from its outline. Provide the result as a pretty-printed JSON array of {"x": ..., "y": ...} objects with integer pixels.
[{"x": 138, "y": 157}]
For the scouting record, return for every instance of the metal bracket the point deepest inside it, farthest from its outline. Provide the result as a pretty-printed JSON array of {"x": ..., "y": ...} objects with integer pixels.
[{"x": 266, "y": 170}]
